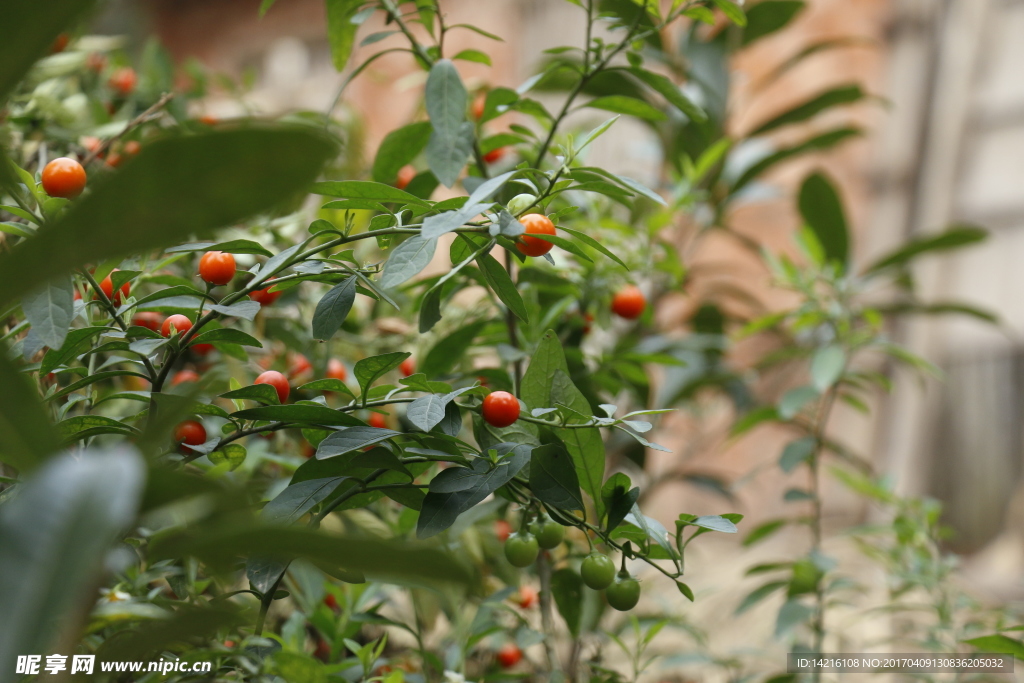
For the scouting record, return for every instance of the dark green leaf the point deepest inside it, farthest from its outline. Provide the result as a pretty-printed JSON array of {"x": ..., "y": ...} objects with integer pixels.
[
  {"x": 341, "y": 31},
  {"x": 364, "y": 189},
  {"x": 263, "y": 393},
  {"x": 622, "y": 104},
  {"x": 449, "y": 350},
  {"x": 822, "y": 211},
  {"x": 567, "y": 590},
  {"x": 846, "y": 94},
  {"x": 368, "y": 370},
  {"x": 399, "y": 148},
  {"x": 298, "y": 499},
  {"x": 351, "y": 439},
  {"x": 553, "y": 478},
  {"x": 50, "y": 310},
  {"x": 954, "y": 238},
  {"x": 310, "y": 414},
  {"x": 228, "y": 335},
  {"x": 796, "y": 452},
  {"x": 499, "y": 281},
  {"x": 770, "y": 16},
  {"x": 671, "y": 92},
  {"x": 333, "y": 308}
]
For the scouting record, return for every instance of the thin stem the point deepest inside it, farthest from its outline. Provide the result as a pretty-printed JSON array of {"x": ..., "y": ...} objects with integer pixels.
[
  {"x": 137, "y": 121},
  {"x": 513, "y": 331},
  {"x": 821, "y": 424},
  {"x": 546, "y": 616}
]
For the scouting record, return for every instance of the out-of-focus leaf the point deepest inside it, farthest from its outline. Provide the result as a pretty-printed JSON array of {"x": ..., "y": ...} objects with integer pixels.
[
  {"x": 822, "y": 211},
  {"x": 179, "y": 186},
  {"x": 954, "y": 238},
  {"x": 26, "y": 433}
]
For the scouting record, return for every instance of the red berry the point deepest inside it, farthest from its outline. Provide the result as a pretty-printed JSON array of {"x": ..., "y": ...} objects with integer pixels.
[
  {"x": 377, "y": 420},
  {"x": 63, "y": 177},
  {"x": 407, "y": 367},
  {"x": 264, "y": 296},
  {"x": 149, "y": 319},
  {"x": 336, "y": 369},
  {"x": 114, "y": 159},
  {"x": 331, "y": 601},
  {"x": 185, "y": 376},
  {"x": 177, "y": 322},
  {"x": 500, "y": 408},
  {"x": 405, "y": 176},
  {"x": 96, "y": 62},
  {"x": 502, "y": 529},
  {"x": 479, "y": 104},
  {"x": 299, "y": 365},
  {"x": 132, "y": 147},
  {"x": 528, "y": 597},
  {"x": 123, "y": 81},
  {"x": 217, "y": 268},
  {"x": 107, "y": 285},
  {"x": 60, "y": 43},
  {"x": 536, "y": 224},
  {"x": 494, "y": 155},
  {"x": 629, "y": 303},
  {"x": 208, "y": 119},
  {"x": 276, "y": 380},
  {"x": 190, "y": 432},
  {"x": 202, "y": 349},
  {"x": 509, "y": 655}
]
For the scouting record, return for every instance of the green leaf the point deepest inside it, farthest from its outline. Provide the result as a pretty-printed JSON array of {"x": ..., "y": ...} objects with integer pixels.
[
  {"x": 229, "y": 247},
  {"x": 671, "y": 92},
  {"x": 50, "y": 310},
  {"x": 263, "y": 393},
  {"x": 407, "y": 260},
  {"x": 474, "y": 56},
  {"x": 733, "y": 11},
  {"x": 794, "y": 400},
  {"x": 145, "y": 641},
  {"x": 545, "y": 383},
  {"x": 822, "y": 211},
  {"x": 333, "y": 308},
  {"x": 427, "y": 412},
  {"x": 179, "y": 185},
  {"x": 341, "y": 31},
  {"x": 501, "y": 284},
  {"x": 327, "y": 385},
  {"x": 553, "y": 478},
  {"x": 296, "y": 500},
  {"x": 846, "y": 94},
  {"x": 55, "y": 535},
  {"x": 449, "y": 350},
  {"x": 769, "y": 16},
  {"x": 232, "y": 454},
  {"x": 385, "y": 560},
  {"x": 451, "y": 139},
  {"x": 954, "y": 238},
  {"x": 818, "y": 142},
  {"x": 618, "y": 498},
  {"x": 631, "y": 106},
  {"x": 29, "y": 32},
  {"x": 369, "y": 369},
  {"x": 792, "y": 614},
  {"x": 763, "y": 531},
  {"x": 399, "y": 148},
  {"x": 715, "y": 523},
  {"x": 827, "y": 366},
  {"x": 998, "y": 643},
  {"x": 593, "y": 244},
  {"x": 457, "y": 489},
  {"x": 758, "y": 594},
  {"x": 227, "y": 335},
  {"x": 265, "y": 6},
  {"x": 26, "y": 433},
  {"x": 797, "y": 452},
  {"x": 365, "y": 189},
  {"x": 567, "y": 590},
  {"x": 310, "y": 414},
  {"x": 351, "y": 439}
]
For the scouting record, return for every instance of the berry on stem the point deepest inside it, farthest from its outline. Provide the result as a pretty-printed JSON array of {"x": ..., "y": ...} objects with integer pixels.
[
  {"x": 185, "y": 376},
  {"x": 521, "y": 549},
  {"x": 190, "y": 432},
  {"x": 549, "y": 533},
  {"x": 123, "y": 81},
  {"x": 500, "y": 408},
  {"x": 598, "y": 571},
  {"x": 264, "y": 296},
  {"x": 217, "y": 268},
  {"x": 149, "y": 319},
  {"x": 63, "y": 177},
  {"x": 405, "y": 176},
  {"x": 276, "y": 380},
  {"x": 624, "y": 593},
  {"x": 177, "y": 322},
  {"x": 536, "y": 224},
  {"x": 107, "y": 285},
  {"x": 408, "y": 367}
]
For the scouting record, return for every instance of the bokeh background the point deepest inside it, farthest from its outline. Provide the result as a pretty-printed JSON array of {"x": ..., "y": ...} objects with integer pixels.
[{"x": 943, "y": 143}]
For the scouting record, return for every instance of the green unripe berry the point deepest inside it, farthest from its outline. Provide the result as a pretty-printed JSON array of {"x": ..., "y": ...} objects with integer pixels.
[
  {"x": 520, "y": 203},
  {"x": 521, "y": 549},
  {"x": 624, "y": 593},
  {"x": 549, "y": 533},
  {"x": 598, "y": 571}
]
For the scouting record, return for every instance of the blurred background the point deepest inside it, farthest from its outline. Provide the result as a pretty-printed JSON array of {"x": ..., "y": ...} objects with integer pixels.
[{"x": 943, "y": 144}]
